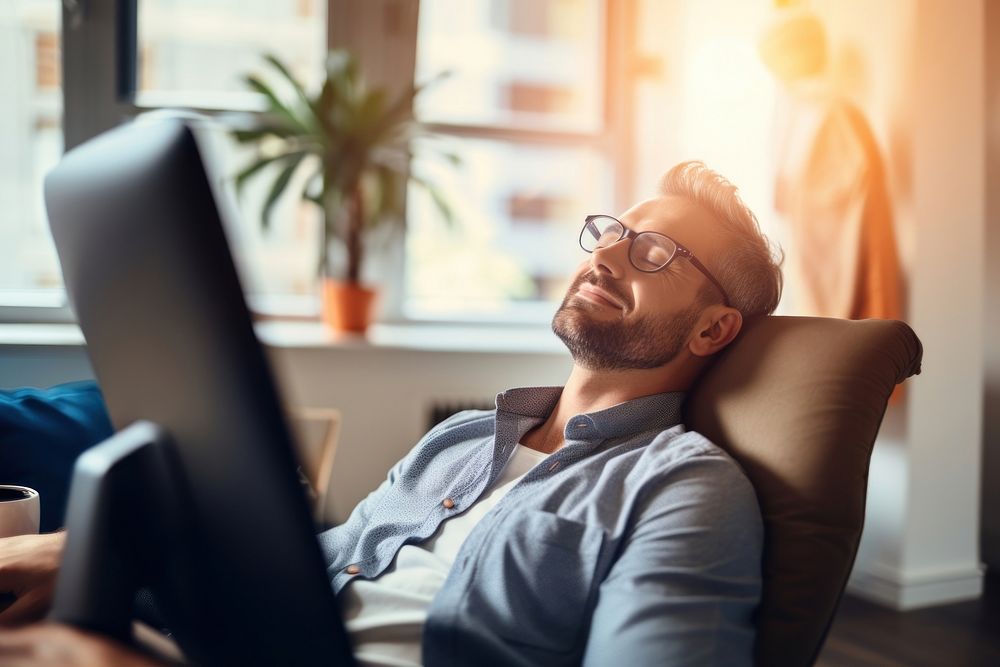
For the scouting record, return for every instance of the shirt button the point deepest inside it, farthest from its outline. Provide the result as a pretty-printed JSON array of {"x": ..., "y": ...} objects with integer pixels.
[
  {"x": 448, "y": 503},
  {"x": 353, "y": 569}
]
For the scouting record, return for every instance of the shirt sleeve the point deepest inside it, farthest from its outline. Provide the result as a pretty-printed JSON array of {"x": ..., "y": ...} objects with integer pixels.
[
  {"x": 685, "y": 586},
  {"x": 338, "y": 542}
]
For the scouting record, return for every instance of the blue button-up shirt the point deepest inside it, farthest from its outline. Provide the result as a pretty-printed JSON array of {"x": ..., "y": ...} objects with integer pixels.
[{"x": 636, "y": 543}]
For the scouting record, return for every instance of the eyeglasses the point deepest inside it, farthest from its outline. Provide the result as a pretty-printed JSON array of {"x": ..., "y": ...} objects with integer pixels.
[{"x": 650, "y": 251}]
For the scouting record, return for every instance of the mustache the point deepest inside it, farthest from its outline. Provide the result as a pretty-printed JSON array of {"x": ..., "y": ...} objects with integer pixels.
[{"x": 604, "y": 283}]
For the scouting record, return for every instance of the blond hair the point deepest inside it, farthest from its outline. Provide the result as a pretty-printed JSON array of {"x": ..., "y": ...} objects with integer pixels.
[{"x": 750, "y": 267}]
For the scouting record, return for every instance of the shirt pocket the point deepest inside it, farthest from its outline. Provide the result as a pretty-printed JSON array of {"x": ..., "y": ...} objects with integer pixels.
[{"x": 544, "y": 566}]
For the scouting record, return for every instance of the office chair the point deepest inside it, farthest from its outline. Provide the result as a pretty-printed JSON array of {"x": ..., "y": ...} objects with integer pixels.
[{"x": 798, "y": 401}]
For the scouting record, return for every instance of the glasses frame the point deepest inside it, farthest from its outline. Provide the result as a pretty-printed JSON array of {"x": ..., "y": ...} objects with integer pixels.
[{"x": 680, "y": 250}]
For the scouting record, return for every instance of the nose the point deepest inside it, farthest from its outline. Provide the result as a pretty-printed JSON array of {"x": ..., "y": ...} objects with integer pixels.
[{"x": 611, "y": 260}]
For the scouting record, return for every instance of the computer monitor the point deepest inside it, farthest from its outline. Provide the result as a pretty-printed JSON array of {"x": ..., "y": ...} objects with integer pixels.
[{"x": 197, "y": 496}]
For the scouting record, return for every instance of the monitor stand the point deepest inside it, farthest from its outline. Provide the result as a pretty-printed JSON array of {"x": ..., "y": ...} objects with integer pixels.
[{"x": 124, "y": 526}]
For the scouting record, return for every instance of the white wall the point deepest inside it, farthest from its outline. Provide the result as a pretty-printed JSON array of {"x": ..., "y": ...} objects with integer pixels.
[
  {"x": 991, "y": 425},
  {"x": 921, "y": 539}
]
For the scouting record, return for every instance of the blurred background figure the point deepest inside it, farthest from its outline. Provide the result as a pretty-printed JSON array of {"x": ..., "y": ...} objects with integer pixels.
[{"x": 830, "y": 182}]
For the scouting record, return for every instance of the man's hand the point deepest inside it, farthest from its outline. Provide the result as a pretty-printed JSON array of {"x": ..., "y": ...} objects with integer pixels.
[
  {"x": 28, "y": 568},
  {"x": 60, "y": 645}
]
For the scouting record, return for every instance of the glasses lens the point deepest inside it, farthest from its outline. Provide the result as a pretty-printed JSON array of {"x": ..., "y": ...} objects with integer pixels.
[
  {"x": 600, "y": 232},
  {"x": 651, "y": 251}
]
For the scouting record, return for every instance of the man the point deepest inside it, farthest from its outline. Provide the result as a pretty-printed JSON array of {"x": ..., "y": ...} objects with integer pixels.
[{"x": 574, "y": 524}]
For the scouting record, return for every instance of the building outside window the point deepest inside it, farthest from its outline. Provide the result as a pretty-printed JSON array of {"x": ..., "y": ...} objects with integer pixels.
[
  {"x": 32, "y": 142},
  {"x": 196, "y": 53},
  {"x": 523, "y": 105}
]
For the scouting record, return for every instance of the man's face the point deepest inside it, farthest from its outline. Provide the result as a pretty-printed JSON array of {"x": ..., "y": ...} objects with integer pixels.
[{"x": 615, "y": 317}]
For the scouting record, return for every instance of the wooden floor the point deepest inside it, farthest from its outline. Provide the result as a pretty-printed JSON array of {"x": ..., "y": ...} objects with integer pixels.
[{"x": 867, "y": 635}]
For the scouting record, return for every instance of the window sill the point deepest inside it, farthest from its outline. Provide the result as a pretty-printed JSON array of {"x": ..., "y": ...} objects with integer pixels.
[
  {"x": 41, "y": 335},
  {"x": 284, "y": 334}
]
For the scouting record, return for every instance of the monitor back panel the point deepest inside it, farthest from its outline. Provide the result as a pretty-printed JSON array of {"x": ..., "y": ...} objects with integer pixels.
[{"x": 151, "y": 279}]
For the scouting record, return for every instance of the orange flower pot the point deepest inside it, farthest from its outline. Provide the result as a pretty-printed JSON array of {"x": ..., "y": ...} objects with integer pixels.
[{"x": 347, "y": 307}]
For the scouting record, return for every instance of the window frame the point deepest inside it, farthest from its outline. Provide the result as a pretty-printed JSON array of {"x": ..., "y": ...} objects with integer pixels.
[
  {"x": 614, "y": 139},
  {"x": 92, "y": 35}
]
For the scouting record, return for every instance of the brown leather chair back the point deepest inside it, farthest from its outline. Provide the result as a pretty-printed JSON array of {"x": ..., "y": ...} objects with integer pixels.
[{"x": 798, "y": 402}]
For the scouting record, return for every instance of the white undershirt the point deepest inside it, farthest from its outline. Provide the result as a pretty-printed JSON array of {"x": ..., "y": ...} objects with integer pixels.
[{"x": 385, "y": 616}]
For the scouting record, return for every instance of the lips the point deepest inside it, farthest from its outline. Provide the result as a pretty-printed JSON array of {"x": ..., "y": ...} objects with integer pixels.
[{"x": 599, "y": 295}]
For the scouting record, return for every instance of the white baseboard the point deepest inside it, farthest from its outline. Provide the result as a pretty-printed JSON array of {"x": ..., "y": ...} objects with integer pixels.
[{"x": 904, "y": 591}]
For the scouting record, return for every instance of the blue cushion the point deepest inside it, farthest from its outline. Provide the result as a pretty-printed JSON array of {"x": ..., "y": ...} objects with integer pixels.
[{"x": 42, "y": 431}]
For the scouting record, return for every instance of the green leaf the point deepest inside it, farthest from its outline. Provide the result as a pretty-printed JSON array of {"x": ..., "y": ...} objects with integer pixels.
[
  {"x": 390, "y": 185},
  {"x": 345, "y": 84},
  {"x": 399, "y": 113},
  {"x": 369, "y": 115},
  {"x": 323, "y": 105},
  {"x": 253, "y": 168},
  {"x": 312, "y": 190},
  {"x": 296, "y": 86},
  {"x": 454, "y": 159},
  {"x": 276, "y": 107},
  {"x": 280, "y": 183},
  {"x": 341, "y": 65},
  {"x": 321, "y": 259},
  {"x": 370, "y": 188},
  {"x": 440, "y": 202},
  {"x": 250, "y": 136}
]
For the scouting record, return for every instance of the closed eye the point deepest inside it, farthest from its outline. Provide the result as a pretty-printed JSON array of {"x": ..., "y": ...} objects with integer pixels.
[{"x": 657, "y": 256}]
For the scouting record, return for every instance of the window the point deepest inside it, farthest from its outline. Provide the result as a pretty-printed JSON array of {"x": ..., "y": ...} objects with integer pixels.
[
  {"x": 524, "y": 104},
  {"x": 31, "y": 127},
  {"x": 513, "y": 63},
  {"x": 187, "y": 53},
  {"x": 195, "y": 54},
  {"x": 533, "y": 107},
  {"x": 518, "y": 207}
]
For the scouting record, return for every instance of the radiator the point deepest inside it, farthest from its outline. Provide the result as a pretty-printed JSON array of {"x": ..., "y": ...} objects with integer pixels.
[{"x": 441, "y": 410}]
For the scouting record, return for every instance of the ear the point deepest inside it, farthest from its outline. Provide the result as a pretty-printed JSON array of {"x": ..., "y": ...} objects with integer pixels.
[{"x": 716, "y": 329}]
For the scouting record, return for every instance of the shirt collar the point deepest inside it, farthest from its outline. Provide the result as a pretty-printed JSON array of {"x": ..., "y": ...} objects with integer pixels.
[{"x": 647, "y": 413}]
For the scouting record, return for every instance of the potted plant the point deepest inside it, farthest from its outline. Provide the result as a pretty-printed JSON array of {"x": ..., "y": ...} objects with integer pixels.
[{"x": 356, "y": 142}]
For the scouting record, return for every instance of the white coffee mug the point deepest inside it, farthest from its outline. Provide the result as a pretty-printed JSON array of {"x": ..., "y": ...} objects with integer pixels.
[{"x": 19, "y": 510}]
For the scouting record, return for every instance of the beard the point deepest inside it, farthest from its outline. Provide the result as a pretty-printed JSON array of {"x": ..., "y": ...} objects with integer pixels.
[{"x": 613, "y": 345}]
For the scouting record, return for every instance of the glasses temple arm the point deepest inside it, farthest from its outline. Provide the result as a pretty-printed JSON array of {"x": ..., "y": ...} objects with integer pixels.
[{"x": 701, "y": 267}]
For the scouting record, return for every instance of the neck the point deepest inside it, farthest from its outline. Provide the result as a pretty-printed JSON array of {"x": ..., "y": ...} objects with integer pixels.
[{"x": 589, "y": 391}]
